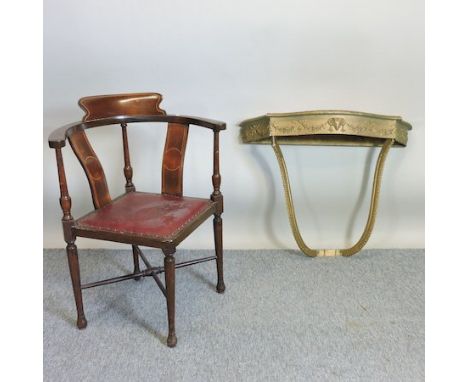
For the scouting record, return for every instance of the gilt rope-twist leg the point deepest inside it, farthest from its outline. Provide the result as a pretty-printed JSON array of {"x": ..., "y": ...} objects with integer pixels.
[{"x": 372, "y": 211}]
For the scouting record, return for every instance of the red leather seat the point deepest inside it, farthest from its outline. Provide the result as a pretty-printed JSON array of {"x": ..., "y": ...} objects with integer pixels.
[{"x": 157, "y": 216}]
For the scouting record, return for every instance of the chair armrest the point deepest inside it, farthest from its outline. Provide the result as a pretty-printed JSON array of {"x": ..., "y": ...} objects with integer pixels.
[
  {"x": 58, "y": 137},
  {"x": 205, "y": 122}
]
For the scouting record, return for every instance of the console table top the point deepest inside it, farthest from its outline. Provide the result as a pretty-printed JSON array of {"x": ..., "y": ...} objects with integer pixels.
[{"x": 325, "y": 127}]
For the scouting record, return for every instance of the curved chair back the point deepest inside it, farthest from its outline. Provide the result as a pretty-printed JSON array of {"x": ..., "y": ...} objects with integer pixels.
[{"x": 128, "y": 105}]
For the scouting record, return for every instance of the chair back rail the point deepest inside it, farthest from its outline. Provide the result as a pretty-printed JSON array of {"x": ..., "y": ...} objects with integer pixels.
[
  {"x": 57, "y": 139},
  {"x": 123, "y": 109},
  {"x": 106, "y": 106}
]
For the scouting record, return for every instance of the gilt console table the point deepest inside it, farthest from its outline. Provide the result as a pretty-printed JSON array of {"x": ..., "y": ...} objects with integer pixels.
[{"x": 329, "y": 128}]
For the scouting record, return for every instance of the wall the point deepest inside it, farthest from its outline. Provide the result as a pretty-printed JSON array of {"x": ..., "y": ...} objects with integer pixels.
[{"x": 232, "y": 60}]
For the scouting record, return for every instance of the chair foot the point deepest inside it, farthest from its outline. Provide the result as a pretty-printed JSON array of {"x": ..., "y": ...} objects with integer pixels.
[
  {"x": 81, "y": 322},
  {"x": 220, "y": 288},
  {"x": 138, "y": 278},
  {"x": 171, "y": 341}
]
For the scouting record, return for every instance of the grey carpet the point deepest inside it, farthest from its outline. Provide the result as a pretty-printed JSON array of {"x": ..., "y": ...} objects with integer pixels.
[{"x": 284, "y": 317}]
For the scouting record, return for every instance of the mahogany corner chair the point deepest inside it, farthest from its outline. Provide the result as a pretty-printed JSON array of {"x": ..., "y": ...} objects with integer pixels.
[{"x": 138, "y": 218}]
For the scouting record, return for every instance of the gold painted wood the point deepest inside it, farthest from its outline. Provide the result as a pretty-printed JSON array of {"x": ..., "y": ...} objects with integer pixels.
[
  {"x": 328, "y": 127},
  {"x": 372, "y": 211},
  {"x": 336, "y": 128}
]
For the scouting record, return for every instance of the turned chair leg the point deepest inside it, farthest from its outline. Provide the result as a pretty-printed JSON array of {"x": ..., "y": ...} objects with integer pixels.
[
  {"x": 218, "y": 237},
  {"x": 73, "y": 264},
  {"x": 169, "y": 274},
  {"x": 136, "y": 262}
]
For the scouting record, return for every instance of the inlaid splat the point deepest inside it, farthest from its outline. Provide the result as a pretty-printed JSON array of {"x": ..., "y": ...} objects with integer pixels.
[
  {"x": 92, "y": 167},
  {"x": 173, "y": 160}
]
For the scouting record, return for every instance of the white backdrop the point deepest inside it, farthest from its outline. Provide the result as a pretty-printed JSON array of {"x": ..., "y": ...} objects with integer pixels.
[{"x": 232, "y": 60}]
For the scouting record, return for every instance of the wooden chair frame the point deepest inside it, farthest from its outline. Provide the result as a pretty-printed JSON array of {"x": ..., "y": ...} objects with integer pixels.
[{"x": 123, "y": 110}]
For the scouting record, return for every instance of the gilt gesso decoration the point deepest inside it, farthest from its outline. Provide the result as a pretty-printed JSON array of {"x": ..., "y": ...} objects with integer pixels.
[{"x": 328, "y": 128}]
